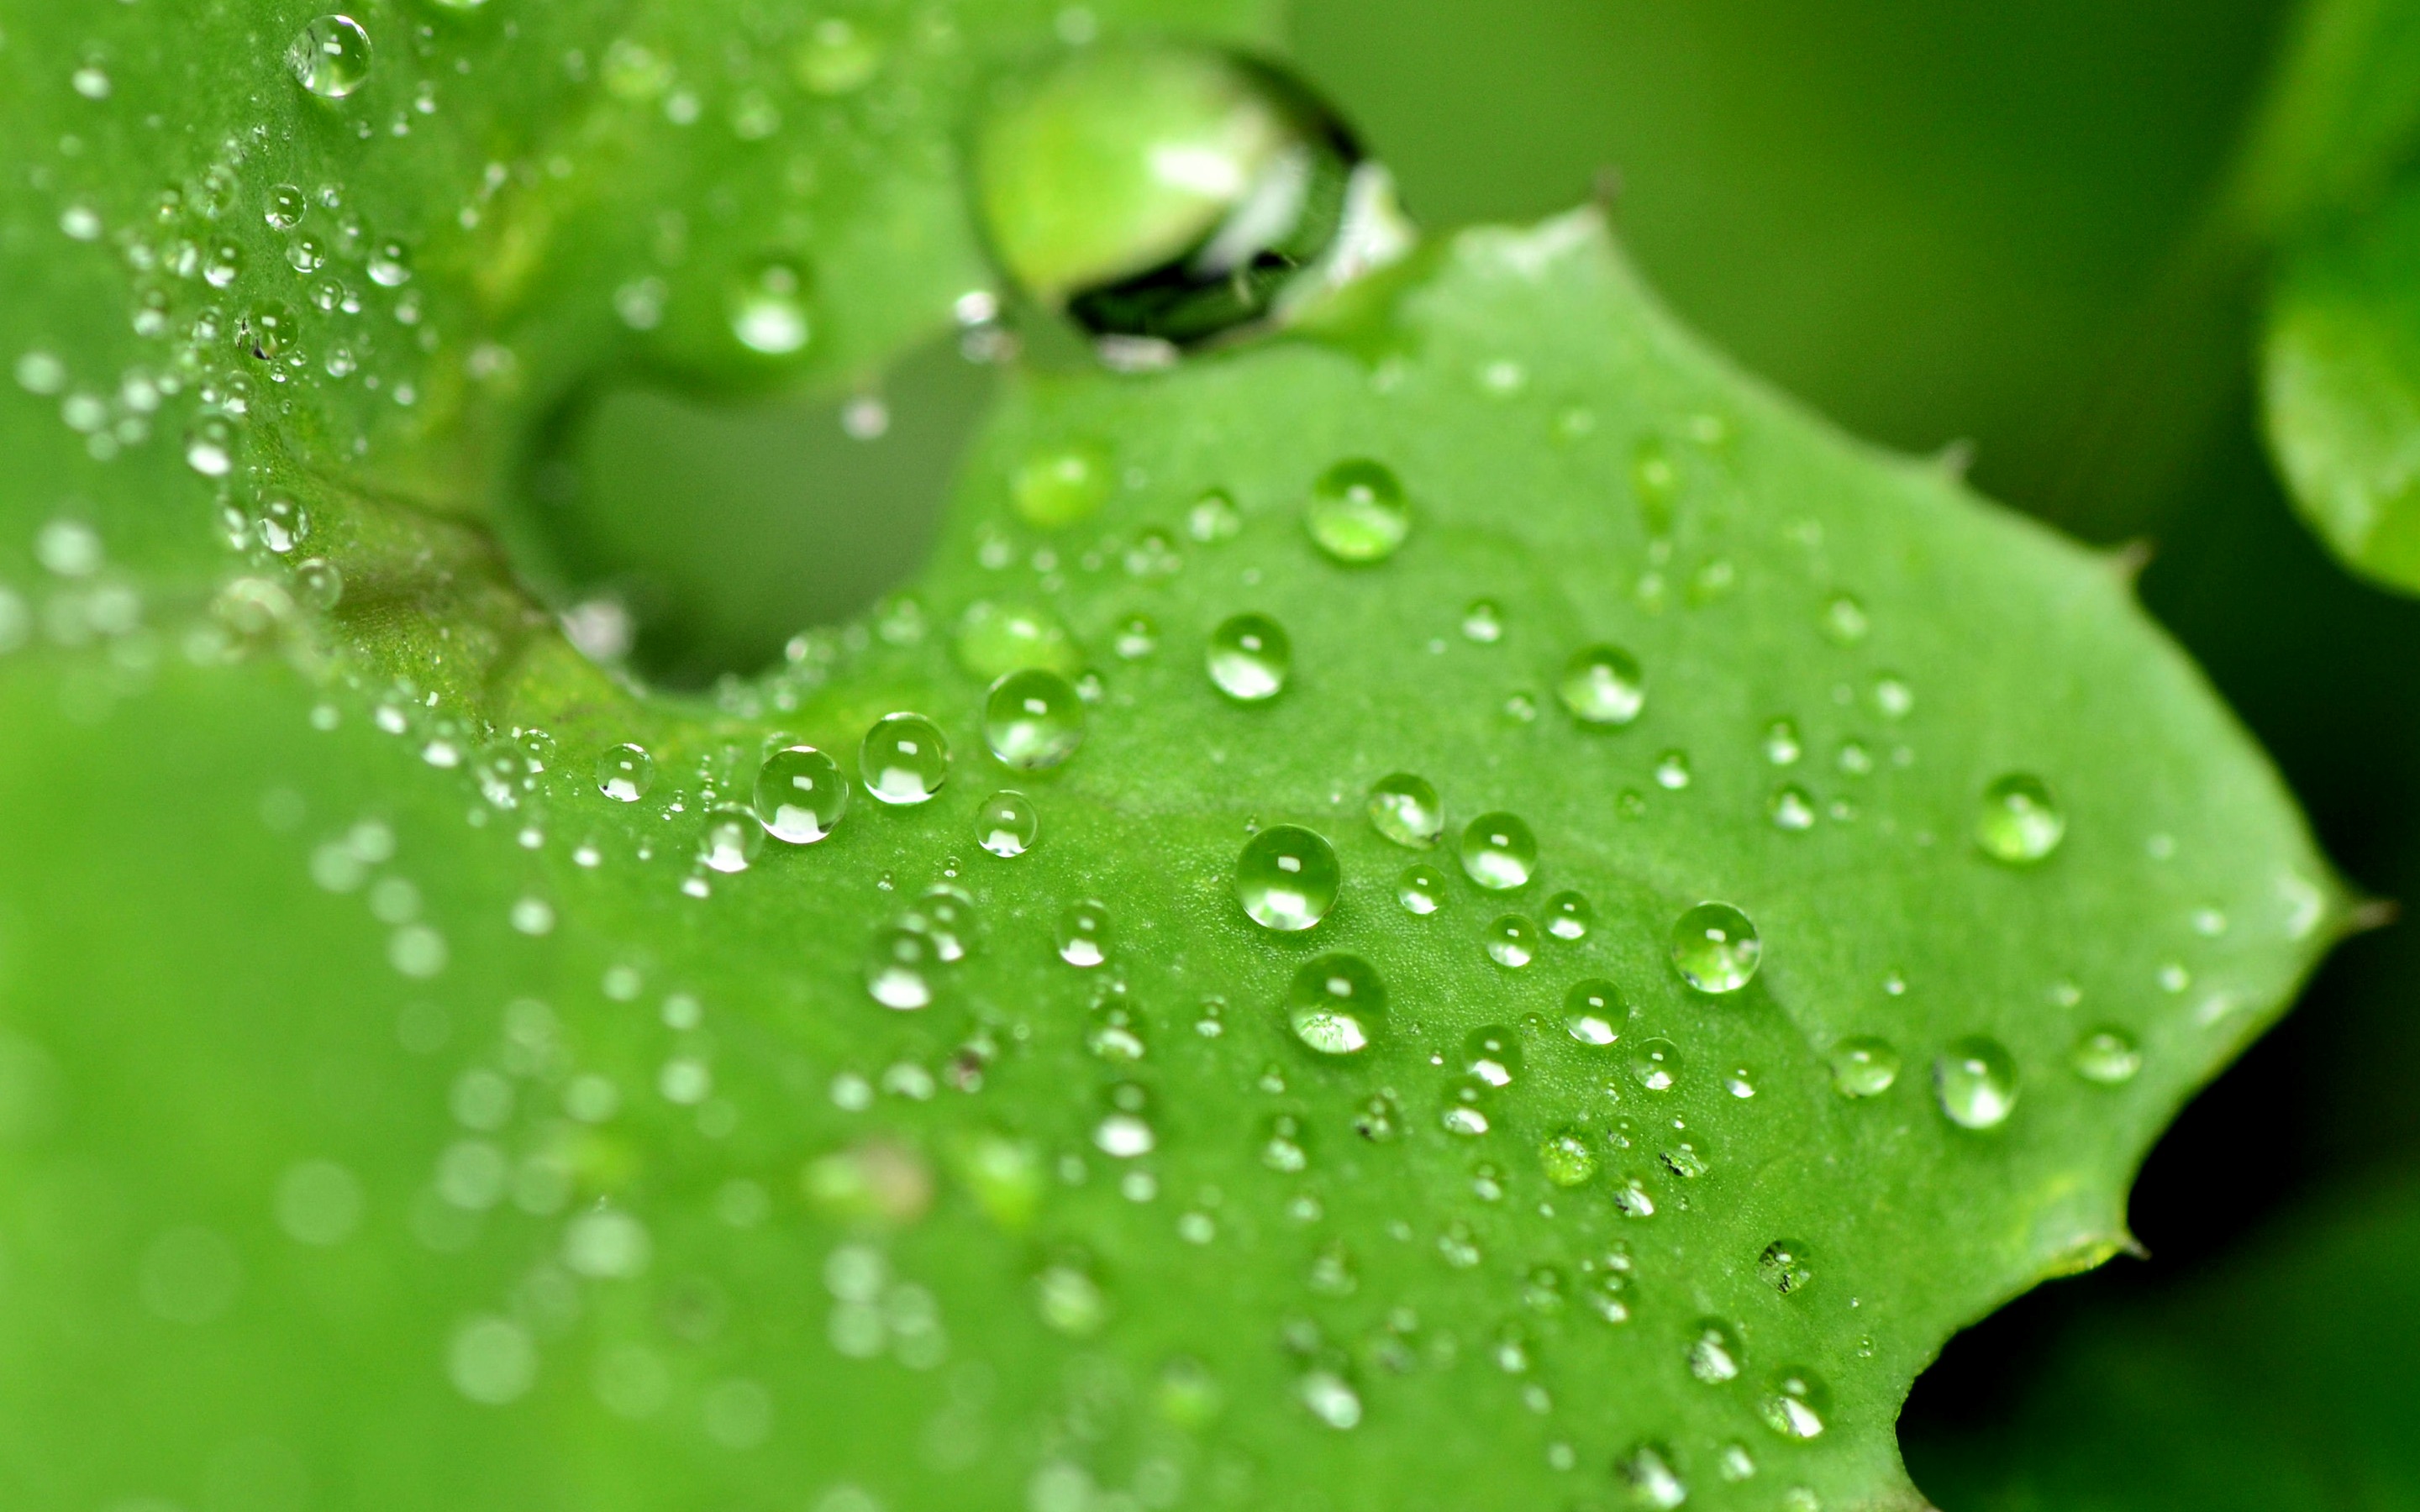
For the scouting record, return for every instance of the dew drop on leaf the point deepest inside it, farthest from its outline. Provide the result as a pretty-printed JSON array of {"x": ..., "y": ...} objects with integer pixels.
[
  {"x": 1790, "y": 809},
  {"x": 624, "y": 773},
  {"x": 1795, "y": 1403},
  {"x": 1493, "y": 1055},
  {"x": 1405, "y": 809},
  {"x": 1714, "y": 1354},
  {"x": 1566, "y": 1158},
  {"x": 1056, "y": 487},
  {"x": 1287, "y": 878},
  {"x": 1249, "y": 657},
  {"x": 1975, "y": 1081},
  {"x": 1864, "y": 1066},
  {"x": 1512, "y": 941},
  {"x": 1602, "y": 685},
  {"x": 1569, "y": 915},
  {"x": 1032, "y": 719},
  {"x": 1672, "y": 771},
  {"x": 1498, "y": 852},
  {"x": 1335, "y": 1004},
  {"x": 1648, "y": 1479},
  {"x": 2021, "y": 822},
  {"x": 1784, "y": 1266},
  {"x": 1595, "y": 1014},
  {"x": 1213, "y": 518},
  {"x": 2107, "y": 1056},
  {"x": 1420, "y": 889},
  {"x": 1655, "y": 1064},
  {"x": 1716, "y": 947},
  {"x": 800, "y": 794},
  {"x": 1007, "y": 824},
  {"x": 1083, "y": 933},
  {"x": 1357, "y": 513},
  {"x": 285, "y": 207},
  {"x": 904, "y": 759},
  {"x": 769, "y": 309},
  {"x": 330, "y": 57},
  {"x": 733, "y": 840},
  {"x": 1482, "y": 621},
  {"x": 899, "y": 967}
]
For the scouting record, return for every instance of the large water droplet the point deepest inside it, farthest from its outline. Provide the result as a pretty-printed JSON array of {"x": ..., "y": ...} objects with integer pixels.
[
  {"x": 733, "y": 840},
  {"x": 904, "y": 759},
  {"x": 1007, "y": 824},
  {"x": 1164, "y": 192},
  {"x": 1083, "y": 933},
  {"x": 1602, "y": 685},
  {"x": 1287, "y": 878},
  {"x": 1716, "y": 947},
  {"x": 1795, "y": 1404},
  {"x": 1595, "y": 1014},
  {"x": 1512, "y": 941},
  {"x": 330, "y": 57},
  {"x": 2108, "y": 1056},
  {"x": 1033, "y": 719},
  {"x": 1357, "y": 513},
  {"x": 2021, "y": 822},
  {"x": 1784, "y": 1266},
  {"x": 1249, "y": 657},
  {"x": 1498, "y": 852},
  {"x": 800, "y": 794},
  {"x": 1420, "y": 889},
  {"x": 1863, "y": 1065},
  {"x": 1976, "y": 1083},
  {"x": 1406, "y": 809},
  {"x": 624, "y": 773},
  {"x": 1335, "y": 1004}
]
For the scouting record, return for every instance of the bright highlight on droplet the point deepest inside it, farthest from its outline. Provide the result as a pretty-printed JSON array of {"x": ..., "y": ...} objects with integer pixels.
[
  {"x": 732, "y": 841},
  {"x": 1975, "y": 1081},
  {"x": 1602, "y": 685},
  {"x": 1083, "y": 933}
]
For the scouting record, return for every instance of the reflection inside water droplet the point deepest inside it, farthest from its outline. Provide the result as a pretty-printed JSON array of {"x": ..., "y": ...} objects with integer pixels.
[
  {"x": 1405, "y": 809},
  {"x": 904, "y": 759},
  {"x": 1498, "y": 852},
  {"x": 1716, "y": 947},
  {"x": 1249, "y": 657},
  {"x": 624, "y": 773},
  {"x": 1335, "y": 1003},
  {"x": 1975, "y": 1081},
  {"x": 1594, "y": 1012},
  {"x": 1287, "y": 878},
  {"x": 1357, "y": 513},
  {"x": 1007, "y": 824},
  {"x": 800, "y": 794}
]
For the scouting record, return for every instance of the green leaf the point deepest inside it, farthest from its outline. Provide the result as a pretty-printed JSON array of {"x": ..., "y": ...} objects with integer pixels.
[
  {"x": 2282, "y": 1380},
  {"x": 376, "y": 1085},
  {"x": 2342, "y": 391}
]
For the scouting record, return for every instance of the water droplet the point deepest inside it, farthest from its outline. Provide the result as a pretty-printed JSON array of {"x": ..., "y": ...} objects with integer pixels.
[
  {"x": 899, "y": 967},
  {"x": 2021, "y": 822},
  {"x": 1493, "y": 1055},
  {"x": 1213, "y": 518},
  {"x": 1844, "y": 621},
  {"x": 1083, "y": 933},
  {"x": 1057, "y": 486},
  {"x": 800, "y": 794},
  {"x": 1595, "y": 1014},
  {"x": 1893, "y": 697},
  {"x": 1648, "y": 1478},
  {"x": 733, "y": 840},
  {"x": 1512, "y": 941},
  {"x": 1357, "y": 513},
  {"x": 1249, "y": 657},
  {"x": 1330, "y": 1399},
  {"x": 769, "y": 311},
  {"x": 1287, "y": 878},
  {"x": 1032, "y": 719},
  {"x": 1602, "y": 685},
  {"x": 904, "y": 759},
  {"x": 1482, "y": 621},
  {"x": 1124, "y": 1136},
  {"x": 2107, "y": 1056},
  {"x": 1655, "y": 1064},
  {"x": 285, "y": 207},
  {"x": 1783, "y": 1265},
  {"x": 1791, "y": 808},
  {"x": 1420, "y": 889},
  {"x": 1406, "y": 809},
  {"x": 1007, "y": 824},
  {"x": 1335, "y": 1004},
  {"x": 1976, "y": 1083},
  {"x": 1136, "y": 638},
  {"x": 1716, "y": 947},
  {"x": 1716, "y": 1355},
  {"x": 1864, "y": 1066},
  {"x": 1567, "y": 1159},
  {"x": 624, "y": 773},
  {"x": 1569, "y": 915},
  {"x": 1223, "y": 208},
  {"x": 1498, "y": 852},
  {"x": 1672, "y": 770},
  {"x": 1795, "y": 1404},
  {"x": 330, "y": 57},
  {"x": 1070, "y": 1302}
]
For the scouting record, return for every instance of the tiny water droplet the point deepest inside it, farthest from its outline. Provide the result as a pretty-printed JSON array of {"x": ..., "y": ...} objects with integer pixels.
[
  {"x": 1595, "y": 1014},
  {"x": 800, "y": 794},
  {"x": 1420, "y": 889},
  {"x": 1213, "y": 518},
  {"x": 1648, "y": 1478},
  {"x": 1714, "y": 1354},
  {"x": 1482, "y": 621},
  {"x": 2107, "y": 1056},
  {"x": 1357, "y": 513},
  {"x": 1287, "y": 878},
  {"x": 733, "y": 840},
  {"x": 1791, "y": 808},
  {"x": 904, "y": 759},
  {"x": 1655, "y": 1064},
  {"x": 1136, "y": 638},
  {"x": 1512, "y": 941},
  {"x": 1602, "y": 685},
  {"x": 1057, "y": 486},
  {"x": 1032, "y": 719},
  {"x": 1863, "y": 1065},
  {"x": 1498, "y": 852},
  {"x": 769, "y": 311},
  {"x": 1083, "y": 933},
  {"x": 1975, "y": 1082},
  {"x": 1793, "y": 1405},
  {"x": 1335, "y": 1004},
  {"x": 2021, "y": 822},
  {"x": 1250, "y": 657},
  {"x": 1569, "y": 915},
  {"x": 330, "y": 57},
  {"x": 1406, "y": 809},
  {"x": 624, "y": 773},
  {"x": 1783, "y": 1265},
  {"x": 1330, "y": 1399},
  {"x": 1716, "y": 947},
  {"x": 1672, "y": 770},
  {"x": 1893, "y": 697},
  {"x": 1007, "y": 824}
]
